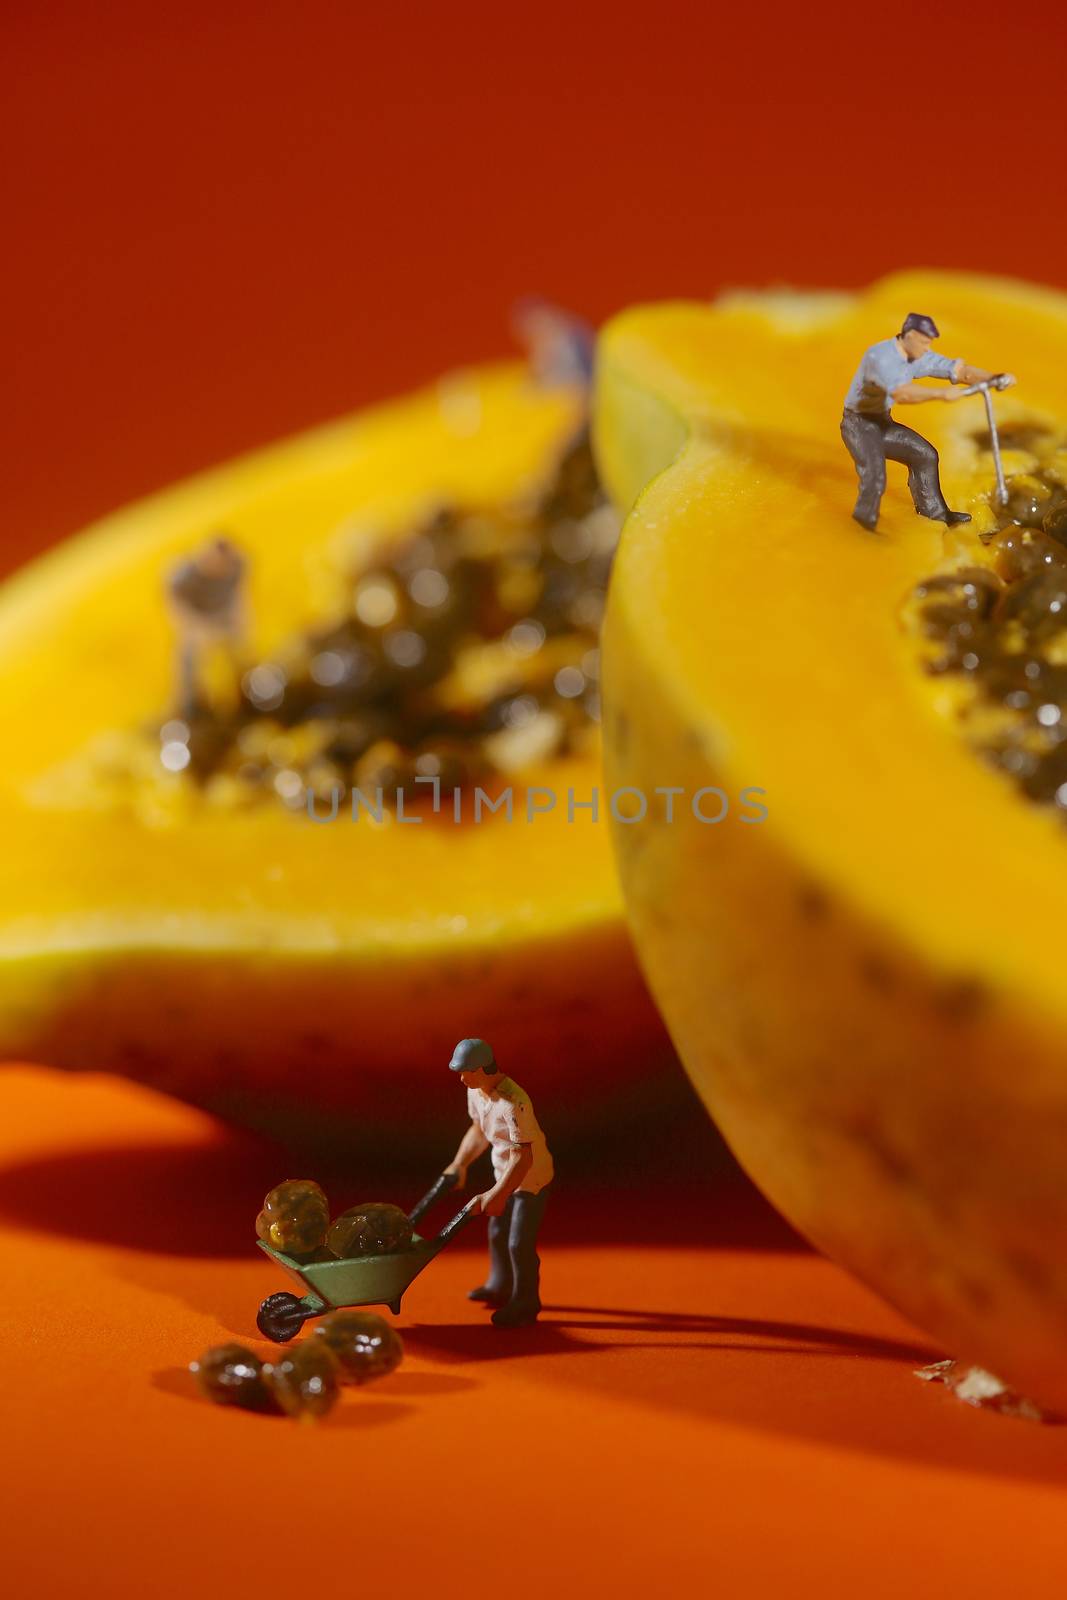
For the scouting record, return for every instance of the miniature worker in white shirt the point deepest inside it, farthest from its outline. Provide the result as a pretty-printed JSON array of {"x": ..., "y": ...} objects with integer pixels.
[
  {"x": 502, "y": 1120},
  {"x": 560, "y": 347}
]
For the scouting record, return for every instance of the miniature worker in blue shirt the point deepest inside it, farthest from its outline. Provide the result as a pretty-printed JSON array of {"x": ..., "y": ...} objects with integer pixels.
[
  {"x": 886, "y": 377},
  {"x": 206, "y": 592},
  {"x": 502, "y": 1120}
]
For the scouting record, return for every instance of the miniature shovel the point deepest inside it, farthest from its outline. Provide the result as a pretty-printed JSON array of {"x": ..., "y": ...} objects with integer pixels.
[{"x": 999, "y": 380}]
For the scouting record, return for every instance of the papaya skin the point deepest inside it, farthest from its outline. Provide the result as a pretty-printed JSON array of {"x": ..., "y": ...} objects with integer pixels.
[
  {"x": 866, "y": 989},
  {"x": 299, "y": 977}
]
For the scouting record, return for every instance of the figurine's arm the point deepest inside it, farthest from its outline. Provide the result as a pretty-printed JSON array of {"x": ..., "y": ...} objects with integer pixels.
[
  {"x": 968, "y": 374},
  {"x": 961, "y": 373},
  {"x": 471, "y": 1146},
  {"x": 914, "y": 394},
  {"x": 520, "y": 1160}
]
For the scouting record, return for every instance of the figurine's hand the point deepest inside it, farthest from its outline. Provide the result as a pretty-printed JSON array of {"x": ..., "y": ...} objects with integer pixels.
[
  {"x": 492, "y": 1204},
  {"x": 460, "y": 1175}
]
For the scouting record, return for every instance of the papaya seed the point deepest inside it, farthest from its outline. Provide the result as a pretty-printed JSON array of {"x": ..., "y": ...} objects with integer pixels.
[{"x": 232, "y": 1375}]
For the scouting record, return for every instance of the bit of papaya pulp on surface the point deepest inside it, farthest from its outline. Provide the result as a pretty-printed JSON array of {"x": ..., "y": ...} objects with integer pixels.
[
  {"x": 984, "y": 1391},
  {"x": 867, "y": 989},
  {"x": 309, "y": 979}
]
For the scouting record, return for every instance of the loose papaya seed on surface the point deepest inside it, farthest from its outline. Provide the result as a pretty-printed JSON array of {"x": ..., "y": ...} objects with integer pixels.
[
  {"x": 305, "y": 1380},
  {"x": 232, "y": 1375},
  {"x": 366, "y": 1347}
]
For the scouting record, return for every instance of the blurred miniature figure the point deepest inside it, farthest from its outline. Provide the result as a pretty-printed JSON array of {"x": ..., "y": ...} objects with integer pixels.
[
  {"x": 206, "y": 595},
  {"x": 502, "y": 1120},
  {"x": 885, "y": 377},
  {"x": 559, "y": 346}
]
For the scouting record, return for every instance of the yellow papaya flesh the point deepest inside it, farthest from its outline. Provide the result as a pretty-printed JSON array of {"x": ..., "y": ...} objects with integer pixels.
[
  {"x": 283, "y": 973},
  {"x": 866, "y": 987}
]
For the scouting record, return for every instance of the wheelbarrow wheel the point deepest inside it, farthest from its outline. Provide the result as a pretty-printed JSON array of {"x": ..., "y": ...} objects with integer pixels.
[{"x": 281, "y": 1317}]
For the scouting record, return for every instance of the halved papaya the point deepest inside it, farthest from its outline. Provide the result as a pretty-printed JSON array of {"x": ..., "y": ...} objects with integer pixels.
[
  {"x": 268, "y": 966},
  {"x": 866, "y": 980}
]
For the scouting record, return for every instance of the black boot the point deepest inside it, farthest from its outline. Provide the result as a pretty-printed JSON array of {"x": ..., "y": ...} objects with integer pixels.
[
  {"x": 515, "y": 1315},
  {"x": 499, "y": 1286},
  {"x": 491, "y": 1296},
  {"x": 523, "y": 1218},
  {"x": 951, "y": 518}
]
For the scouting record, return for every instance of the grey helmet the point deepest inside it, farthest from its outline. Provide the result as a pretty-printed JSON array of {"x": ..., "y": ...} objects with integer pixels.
[{"x": 472, "y": 1055}]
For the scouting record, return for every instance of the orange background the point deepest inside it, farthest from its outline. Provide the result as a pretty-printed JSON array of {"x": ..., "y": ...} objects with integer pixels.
[{"x": 228, "y": 221}]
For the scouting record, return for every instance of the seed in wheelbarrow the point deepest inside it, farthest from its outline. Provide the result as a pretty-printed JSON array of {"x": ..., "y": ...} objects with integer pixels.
[
  {"x": 295, "y": 1217},
  {"x": 232, "y": 1375},
  {"x": 365, "y": 1345},
  {"x": 305, "y": 1381},
  {"x": 374, "y": 1228}
]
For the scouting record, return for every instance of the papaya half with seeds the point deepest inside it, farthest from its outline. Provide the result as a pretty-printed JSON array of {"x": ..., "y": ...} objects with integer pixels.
[
  {"x": 867, "y": 988},
  {"x": 217, "y": 944}
]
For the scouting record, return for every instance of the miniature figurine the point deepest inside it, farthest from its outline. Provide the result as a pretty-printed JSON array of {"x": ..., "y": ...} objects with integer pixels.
[
  {"x": 502, "y": 1119},
  {"x": 559, "y": 345},
  {"x": 207, "y": 601},
  {"x": 886, "y": 377}
]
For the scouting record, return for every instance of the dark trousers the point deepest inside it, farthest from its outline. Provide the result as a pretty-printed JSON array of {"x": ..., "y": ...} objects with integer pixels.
[
  {"x": 514, "y": 1265},
  {"x": 871, "y": 441}
]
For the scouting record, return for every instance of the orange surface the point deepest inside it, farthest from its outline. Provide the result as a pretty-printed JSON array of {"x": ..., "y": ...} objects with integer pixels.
[
  {"x": 230, "y": 221},
  {"x": 740, "y": 1417}
]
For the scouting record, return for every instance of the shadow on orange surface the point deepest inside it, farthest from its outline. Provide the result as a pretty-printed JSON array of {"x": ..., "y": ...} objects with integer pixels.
[
  {"x": 461, "y": 1342},
  {"x": 759, "y": 1374},
  {"x": 201, "y": 1198},
  {"x": 740, "y": 1371}
]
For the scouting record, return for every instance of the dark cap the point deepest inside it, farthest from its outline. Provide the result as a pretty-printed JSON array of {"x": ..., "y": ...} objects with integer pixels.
[
  {"x": 921, "y": 323},
  {"x": 472, "y": 1055}
]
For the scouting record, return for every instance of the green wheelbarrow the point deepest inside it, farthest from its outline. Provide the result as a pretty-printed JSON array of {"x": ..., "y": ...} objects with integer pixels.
[{"x": 355, "y": 1280}]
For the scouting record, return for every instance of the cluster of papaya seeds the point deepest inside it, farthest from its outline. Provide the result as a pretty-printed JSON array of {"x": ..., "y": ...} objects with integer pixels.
[
  {"x": 464, "y": 650},
  {"x": 348, "y": 1348}
]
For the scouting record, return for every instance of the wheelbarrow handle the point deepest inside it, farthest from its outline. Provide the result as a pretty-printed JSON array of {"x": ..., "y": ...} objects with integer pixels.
[
  {"x": 458, "y": 1222},
  {"x": 441, "y": 1186}
]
